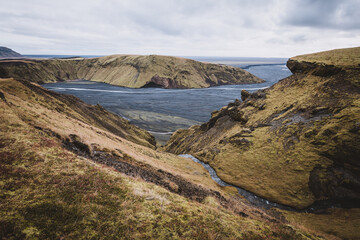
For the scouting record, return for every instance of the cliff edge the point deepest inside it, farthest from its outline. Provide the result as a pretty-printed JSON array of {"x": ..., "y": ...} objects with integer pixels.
[
  {"x": 128, "y": 71},
  {"x": 296, "y": 143}
]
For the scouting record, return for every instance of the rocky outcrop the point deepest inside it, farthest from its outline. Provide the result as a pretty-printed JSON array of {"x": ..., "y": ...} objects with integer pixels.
[
  {"x": 128, "y": 71},
  {"x": 316, "y": 69},
  {"x": 296, "y": 143},
  {"x": 8, "y": 53},
  {"x": 326, "y": 63}
]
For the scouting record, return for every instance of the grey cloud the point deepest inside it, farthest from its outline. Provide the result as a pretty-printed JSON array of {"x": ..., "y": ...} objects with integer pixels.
[
  {"x": 324, "y": 14},
  {"x": 171, "y": 27},
  {"x": 299, "y": 38}
]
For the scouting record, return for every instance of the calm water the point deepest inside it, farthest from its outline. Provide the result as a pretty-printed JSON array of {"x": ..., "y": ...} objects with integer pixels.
[{"x": 162, "y": 111}]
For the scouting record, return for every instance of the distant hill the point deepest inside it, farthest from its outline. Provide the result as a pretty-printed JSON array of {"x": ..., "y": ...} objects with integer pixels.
[
  {"x": 134, "y": 71},
  {"x": 7, "y": 52}
]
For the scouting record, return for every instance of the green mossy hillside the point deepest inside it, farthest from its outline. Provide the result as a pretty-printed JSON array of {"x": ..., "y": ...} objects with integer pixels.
[{"x": 295, "y": 143}]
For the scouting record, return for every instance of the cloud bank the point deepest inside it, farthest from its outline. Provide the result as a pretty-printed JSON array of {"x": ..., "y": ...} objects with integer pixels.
[{"x": 257, "y": 28}]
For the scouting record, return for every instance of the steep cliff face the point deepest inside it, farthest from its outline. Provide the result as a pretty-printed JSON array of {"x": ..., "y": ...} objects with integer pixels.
[
  {"x": 128, "y": 71},
  {"x": 295, "y": 143},
  {"x": 8, "y": 53}
]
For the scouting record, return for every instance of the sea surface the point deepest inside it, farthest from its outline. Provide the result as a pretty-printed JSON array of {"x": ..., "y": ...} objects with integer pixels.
[
  {"x": 59, "y": 56},
  {"x": 163, "y": 111}
]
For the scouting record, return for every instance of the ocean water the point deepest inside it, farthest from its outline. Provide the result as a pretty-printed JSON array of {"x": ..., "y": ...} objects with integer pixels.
[
  {"x": 163, "y": 111},
  {"x": 59, "y": 56}
]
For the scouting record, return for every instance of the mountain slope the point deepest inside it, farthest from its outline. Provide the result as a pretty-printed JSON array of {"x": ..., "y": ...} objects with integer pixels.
[
  {"x": 295, "y": 143},
  {"x": 75, "y": 171},
  {"x": 8, "y": 53},
  {"x": 128, "y": 71}
]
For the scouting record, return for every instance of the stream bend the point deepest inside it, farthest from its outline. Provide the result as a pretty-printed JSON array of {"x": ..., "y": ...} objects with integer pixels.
[{"x": 261, "y": 202}]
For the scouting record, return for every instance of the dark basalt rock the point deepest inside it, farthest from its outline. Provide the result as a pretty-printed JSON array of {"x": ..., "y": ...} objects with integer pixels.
[
  {"x": 316, "y": 69},
  {"x": 78, "y": 144},
  {"x": 162, "y": 82},
  {"x": 152, "y": 85},
  {"x": 237, "y": 102},
  {"x": 243, "y": 142},
  {"x": 2, "y": 96},
  {"x": 336, "y": 183},
  {"x": 244, "y": 94},
  {"x": 258, "y": 94}
]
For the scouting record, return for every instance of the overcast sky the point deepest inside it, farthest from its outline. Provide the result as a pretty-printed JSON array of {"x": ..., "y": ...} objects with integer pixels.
[{"x": 239, "y": 28}]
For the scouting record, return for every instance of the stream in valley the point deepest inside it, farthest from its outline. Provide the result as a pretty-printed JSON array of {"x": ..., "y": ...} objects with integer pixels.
[
  {"x": 252, "y": 198},
  {"x": 163, "y": 111},
  {"x": 264, "y": 203}
]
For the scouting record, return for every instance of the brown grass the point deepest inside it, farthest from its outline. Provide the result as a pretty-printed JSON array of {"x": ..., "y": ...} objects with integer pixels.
[
  {"x": 343, "y": 223},
  {"x": 339, "y": 57},
  {"x": 49, "y": 193},
  {"x": 279, "y": 158}
]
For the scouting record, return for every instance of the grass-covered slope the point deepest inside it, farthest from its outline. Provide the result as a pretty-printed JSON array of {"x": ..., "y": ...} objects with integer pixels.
[
  {"x": 340, "y": 58},
  {"x": 64, "y": 174},
  {"x": 295, "y": 143},
  {"x": 128, "y": 71},
  {"x": 39, "y": 106}
]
